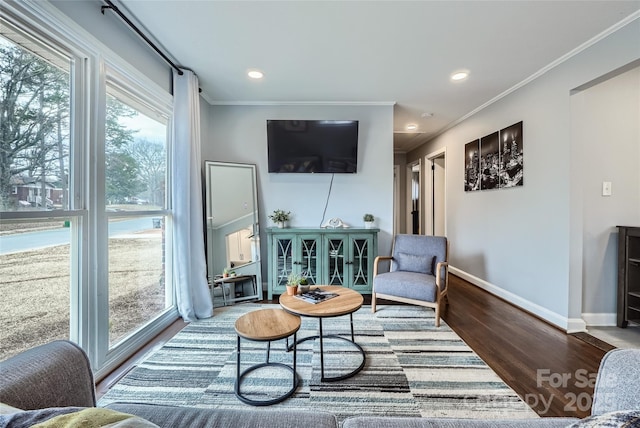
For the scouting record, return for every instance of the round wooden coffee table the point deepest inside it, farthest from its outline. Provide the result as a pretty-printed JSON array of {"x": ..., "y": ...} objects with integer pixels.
[
  {"x": 265, "y": 325},
  {"x": 346, "y": 303}
]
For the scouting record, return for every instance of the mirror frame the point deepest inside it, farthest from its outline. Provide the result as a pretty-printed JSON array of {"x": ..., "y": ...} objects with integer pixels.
[{"x": 212, "y": 239}]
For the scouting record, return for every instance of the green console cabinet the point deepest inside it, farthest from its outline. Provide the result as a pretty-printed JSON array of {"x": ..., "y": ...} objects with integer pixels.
[{"x": 325, "y": 256}]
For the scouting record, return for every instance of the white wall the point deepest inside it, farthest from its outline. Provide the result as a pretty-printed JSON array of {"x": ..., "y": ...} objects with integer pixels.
[
  {"x": 239, "y": 134},
  {"x": 606, "y": 123},
  {"x": 517, "y": 242}
]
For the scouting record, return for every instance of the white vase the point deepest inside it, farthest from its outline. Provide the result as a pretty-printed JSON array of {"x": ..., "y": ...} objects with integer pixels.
[
  {"x": 281, "y": 224},
  {"x": 368, "y": 224}
]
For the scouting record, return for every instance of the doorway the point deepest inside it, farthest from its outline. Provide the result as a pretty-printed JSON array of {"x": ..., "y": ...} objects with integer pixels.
[
  {"x": 435, "y": 193},
  {"x": 414, "y": 213},
  {"x": 396, "y": 199}
]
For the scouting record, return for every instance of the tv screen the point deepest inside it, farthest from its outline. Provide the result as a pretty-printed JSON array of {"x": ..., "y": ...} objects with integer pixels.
[{"x": 312, "y": 146}]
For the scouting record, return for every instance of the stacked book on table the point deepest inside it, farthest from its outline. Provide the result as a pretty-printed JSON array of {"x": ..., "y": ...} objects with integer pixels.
[{"x": 316, "y": 296}]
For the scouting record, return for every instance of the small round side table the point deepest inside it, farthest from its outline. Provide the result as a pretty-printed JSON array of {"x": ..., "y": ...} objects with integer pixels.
[{"x": 266, "y": 325}]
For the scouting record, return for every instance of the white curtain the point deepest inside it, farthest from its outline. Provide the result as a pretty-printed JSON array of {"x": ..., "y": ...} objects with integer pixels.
[{"x": 189, "y": 265}]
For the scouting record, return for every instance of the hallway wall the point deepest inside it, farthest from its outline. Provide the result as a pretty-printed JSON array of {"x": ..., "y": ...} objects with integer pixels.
[{"x": 517, "y": 243}]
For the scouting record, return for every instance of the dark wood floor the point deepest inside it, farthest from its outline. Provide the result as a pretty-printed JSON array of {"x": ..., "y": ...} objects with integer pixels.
[{"x": 552, "y": 371}]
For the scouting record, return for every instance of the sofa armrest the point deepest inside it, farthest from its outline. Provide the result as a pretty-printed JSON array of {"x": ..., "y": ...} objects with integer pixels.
[
  {"x": 57, "y": 374},
  {"x": 617, "y": 382}
]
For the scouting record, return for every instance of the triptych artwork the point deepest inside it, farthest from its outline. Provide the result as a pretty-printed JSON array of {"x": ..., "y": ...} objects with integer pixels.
[{"x": 495, "y": 161}]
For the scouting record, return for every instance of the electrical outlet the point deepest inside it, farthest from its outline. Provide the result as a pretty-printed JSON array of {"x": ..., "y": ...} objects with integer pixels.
[{"x": 606, "y": 188}]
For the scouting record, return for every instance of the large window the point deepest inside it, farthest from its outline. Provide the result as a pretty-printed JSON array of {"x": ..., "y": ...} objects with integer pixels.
[
  {"x": 85, "y": 218},
  {"x": 35, "y": 168},
  {"x": 135, "y": 182}
]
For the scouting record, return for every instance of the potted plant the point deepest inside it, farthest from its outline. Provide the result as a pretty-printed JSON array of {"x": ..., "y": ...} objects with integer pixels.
[
  {"x": 368, "y": 221},
  {"x": 226, "y": 272},
  {"x": 293, "y": 280},
  {"x": 280, "y": 217}
]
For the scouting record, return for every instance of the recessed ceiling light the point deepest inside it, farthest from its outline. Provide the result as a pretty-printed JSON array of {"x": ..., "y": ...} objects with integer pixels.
[
  {"x": 255, "y": 74},
  {"x": 412, "y": 127},
  {"x": 460, "y": 75}
]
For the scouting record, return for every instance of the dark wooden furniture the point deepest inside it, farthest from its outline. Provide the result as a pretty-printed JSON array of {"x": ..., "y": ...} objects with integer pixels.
[{"x": 628, "y": 275}]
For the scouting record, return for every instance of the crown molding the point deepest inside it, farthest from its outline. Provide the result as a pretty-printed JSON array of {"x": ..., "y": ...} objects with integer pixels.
[
  {"x": 615, "y": 27},
  {"x": 300, "y": 103}
]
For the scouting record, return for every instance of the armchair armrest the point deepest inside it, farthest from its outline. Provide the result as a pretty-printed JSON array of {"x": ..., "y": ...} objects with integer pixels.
[
  {"x": 377, "y": 260},
  {"x": 439, "y": 268}
]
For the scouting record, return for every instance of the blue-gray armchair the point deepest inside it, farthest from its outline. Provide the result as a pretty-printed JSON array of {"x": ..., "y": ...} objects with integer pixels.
[{"x": 419, "y": 273}]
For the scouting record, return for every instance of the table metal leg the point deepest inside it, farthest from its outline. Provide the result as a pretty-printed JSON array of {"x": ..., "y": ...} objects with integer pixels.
[
  {"x": 238, "y": 360},
  {"x": 321, "y": 351},
  {"x": 351, "y": 320},
  {"x": 295, "y": 358},
  {"x": 241, "y": 374},
  {"x": 321, "y": 336}
]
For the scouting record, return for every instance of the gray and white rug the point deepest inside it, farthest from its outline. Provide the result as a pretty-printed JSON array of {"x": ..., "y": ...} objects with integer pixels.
[{"x": 412, "y": 369}]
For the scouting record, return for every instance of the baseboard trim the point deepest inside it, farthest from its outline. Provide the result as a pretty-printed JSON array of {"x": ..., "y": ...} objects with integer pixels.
[
  {"x": 576, "y": 325},
  {"x": 564, "y": 323},
  {"x": 602, "y": 319}
]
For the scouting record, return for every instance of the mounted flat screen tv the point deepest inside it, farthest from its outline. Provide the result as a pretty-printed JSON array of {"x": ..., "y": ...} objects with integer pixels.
[{"x": 312, "y": 146}]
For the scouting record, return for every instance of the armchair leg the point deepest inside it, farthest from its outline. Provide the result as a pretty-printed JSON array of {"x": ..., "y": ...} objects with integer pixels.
[
  {"x": 373, "y": 303},
  {"x": 437, "y": 317}
]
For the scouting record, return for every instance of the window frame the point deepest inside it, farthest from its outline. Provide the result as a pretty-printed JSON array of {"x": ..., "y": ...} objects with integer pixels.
[
  {"x": 125, "y": 83},
  {"x": 92, "y": 63}
]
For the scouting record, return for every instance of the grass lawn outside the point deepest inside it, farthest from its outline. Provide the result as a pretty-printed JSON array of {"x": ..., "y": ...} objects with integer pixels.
[{"x": 35, "y": 289}]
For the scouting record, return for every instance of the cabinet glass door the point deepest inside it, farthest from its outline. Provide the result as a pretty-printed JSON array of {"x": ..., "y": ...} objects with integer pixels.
[
  {"x": 336, "y": 250},
  {"x": 359, "y": 262},
  {"x": 284, "y": 259},
  {"x": 308, "y": 262}
]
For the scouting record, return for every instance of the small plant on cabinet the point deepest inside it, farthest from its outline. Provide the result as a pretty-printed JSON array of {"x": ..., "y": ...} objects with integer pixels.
[{"x": 280, "y": 217}]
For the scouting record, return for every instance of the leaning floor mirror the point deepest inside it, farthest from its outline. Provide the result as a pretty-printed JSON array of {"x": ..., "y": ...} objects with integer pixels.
[{"x": 233, "y": 239}]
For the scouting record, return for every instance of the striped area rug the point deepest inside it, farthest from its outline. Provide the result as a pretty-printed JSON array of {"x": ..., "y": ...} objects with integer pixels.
[{"x": 412, "y": 369}]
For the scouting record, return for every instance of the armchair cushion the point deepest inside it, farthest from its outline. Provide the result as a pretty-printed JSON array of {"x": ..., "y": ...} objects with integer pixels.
[
  {"x": 410, "y": 285},
  {"x": 413, "y": 263}
]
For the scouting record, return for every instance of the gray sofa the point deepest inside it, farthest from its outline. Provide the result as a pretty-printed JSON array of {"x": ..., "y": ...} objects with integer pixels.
[{"x": 58, "y": 374}]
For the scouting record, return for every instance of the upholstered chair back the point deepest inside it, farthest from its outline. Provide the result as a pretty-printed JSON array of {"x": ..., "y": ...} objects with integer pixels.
[{"x": 418, "y": 253}]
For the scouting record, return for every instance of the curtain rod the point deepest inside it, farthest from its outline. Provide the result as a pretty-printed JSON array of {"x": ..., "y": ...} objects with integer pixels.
[{"x": 113, "y": 7}]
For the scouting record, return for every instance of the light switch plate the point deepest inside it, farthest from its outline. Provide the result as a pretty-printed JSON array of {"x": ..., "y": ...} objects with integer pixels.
[{"x": 606, "y": 188}]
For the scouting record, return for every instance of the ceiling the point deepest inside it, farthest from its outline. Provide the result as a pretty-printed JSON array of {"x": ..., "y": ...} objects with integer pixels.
[{"x": 373, "y": 52}]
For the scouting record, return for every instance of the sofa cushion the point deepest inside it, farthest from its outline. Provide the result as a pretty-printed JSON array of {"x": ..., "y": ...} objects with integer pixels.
[
  {"x": 94, "y": 417},
  {"x": 395, "y": 422},
  {"x": 71, "y": 417},
  {"x": 27, "y": 418},
  {"x": 617, "y": 419},
  {"x": 411, "y": 285},
  {"x": 170, "y": 416}
]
